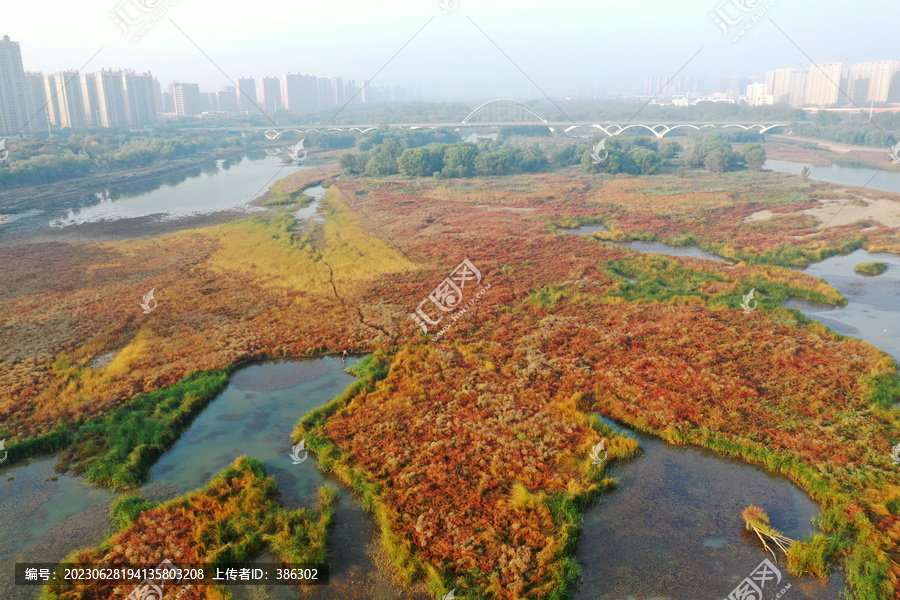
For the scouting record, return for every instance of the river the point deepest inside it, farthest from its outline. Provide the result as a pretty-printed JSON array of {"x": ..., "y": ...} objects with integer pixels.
[
  {"x": 220, "y": 186},
  {"x": 876, "y": 179}
]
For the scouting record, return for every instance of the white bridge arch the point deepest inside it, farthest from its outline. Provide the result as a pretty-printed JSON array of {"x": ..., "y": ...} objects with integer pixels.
[
  {"x": 506, "y": 103},
  {"x": 660, "y": 131}
]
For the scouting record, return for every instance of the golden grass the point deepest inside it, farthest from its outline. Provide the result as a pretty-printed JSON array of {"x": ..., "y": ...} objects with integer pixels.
[{"x": 272, "y": 254}]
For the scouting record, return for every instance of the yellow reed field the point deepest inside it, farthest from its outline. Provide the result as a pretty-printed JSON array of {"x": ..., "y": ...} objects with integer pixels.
[{"x": 275, "y": 255}]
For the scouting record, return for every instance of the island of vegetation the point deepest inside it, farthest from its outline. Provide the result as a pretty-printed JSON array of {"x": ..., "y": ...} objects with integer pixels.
[{"x": 871, "y": 268}]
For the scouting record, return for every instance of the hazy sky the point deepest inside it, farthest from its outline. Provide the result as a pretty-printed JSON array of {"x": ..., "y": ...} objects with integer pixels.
[{"x": 562, "y": 45}]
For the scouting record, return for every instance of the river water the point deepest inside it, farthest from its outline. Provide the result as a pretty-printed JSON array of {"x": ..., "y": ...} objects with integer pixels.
[
  {"x": 876, "y": 179},
  {"x": 219, "y": 186}
]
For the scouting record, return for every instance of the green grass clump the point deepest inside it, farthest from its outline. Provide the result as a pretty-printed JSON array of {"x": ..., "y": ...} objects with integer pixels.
[
  {"x": 871, "y": 269},
  {"x": 124, "y": 511},
  {"x": 118, "y": 450}
]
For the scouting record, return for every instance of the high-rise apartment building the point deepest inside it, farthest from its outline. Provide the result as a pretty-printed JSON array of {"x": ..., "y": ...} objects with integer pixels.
[
  {"x": 823, "y": 85},
  {"x": 36, "y": 101},
  {"x": 786, "y": 86},
  {"x": 186, "y": 97},
  {"x": 270, "y": 94},
  {"x": 337, "y": 89},
  {"x": 67, "y": 106},
  {"x": 91, "y": 104},
  {"x": 14, "y": 116},
  {"x": 757, "y": 94},
  {"x": 351, "y": 92},
  {"x": 139, "y": 94},
  {"x": 873, "y": 81},
  {"x": 299, "y": 92},
  {"x": 324, "y": 92},
  {"x": 226, "y": 99},
  {"x": 112, "y": 105},
  {"x": 246, "y": 93},
  {"x": 208, "y": 102}
]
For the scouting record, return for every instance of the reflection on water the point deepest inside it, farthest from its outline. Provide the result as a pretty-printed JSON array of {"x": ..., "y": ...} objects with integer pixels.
[
  {"x": 872, "y": 312},
  {"x": 215, "y": 186},
  {"x": 254, "y": 416},
  {"x": 876, "y": 179},
  {"x": 674, "y": 530},
  {"x": 586, "y": 229},
  {"x": 310, "y": 213},
  {"x": 222, "y": 186}
]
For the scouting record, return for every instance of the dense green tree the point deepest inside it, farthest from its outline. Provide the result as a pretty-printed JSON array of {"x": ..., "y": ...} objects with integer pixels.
[
  {"x": 647, "y": 161},
  {"x": 493, "y": 163},
  {"x": 669, "y": 149},
  {"x": 349, "y": 164},
  {"x": 531, "y": 159},
  {"x": 459, "y": 160},
  {"x": 754, "y": 156},
  {"x": 414, "y": 162}
]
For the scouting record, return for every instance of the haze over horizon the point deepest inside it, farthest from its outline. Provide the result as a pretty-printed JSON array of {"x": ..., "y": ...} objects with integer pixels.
[{"x": 462, "y": 50}]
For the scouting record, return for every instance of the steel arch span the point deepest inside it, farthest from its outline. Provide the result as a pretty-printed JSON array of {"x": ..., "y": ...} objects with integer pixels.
[{"x": 506, "y": 103}]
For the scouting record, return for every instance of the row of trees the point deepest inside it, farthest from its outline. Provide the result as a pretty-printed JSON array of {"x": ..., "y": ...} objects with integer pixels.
[
  {"x": 35, "y": 162},
  {"x": 882, "y": 130},
  {"x": 385, "y": 154},
  {"x": 461, "y": 159},
  {"x": 716, "y": 154}
]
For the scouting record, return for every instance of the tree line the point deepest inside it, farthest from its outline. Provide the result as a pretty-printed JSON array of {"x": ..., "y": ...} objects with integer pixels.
[
  {"x": 34, "y": 162},
  {"x": 383, "y": 154}
]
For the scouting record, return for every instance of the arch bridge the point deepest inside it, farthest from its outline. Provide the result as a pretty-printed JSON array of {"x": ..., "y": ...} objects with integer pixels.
[
  {"x": 513, "y": 107},
  {"x": 512, "y": 113}
]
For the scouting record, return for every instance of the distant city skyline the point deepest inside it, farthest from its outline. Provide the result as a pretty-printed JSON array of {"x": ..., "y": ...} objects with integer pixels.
[
  {"x": 31, "y": 100},
  {"x": 520, "y": 48}
]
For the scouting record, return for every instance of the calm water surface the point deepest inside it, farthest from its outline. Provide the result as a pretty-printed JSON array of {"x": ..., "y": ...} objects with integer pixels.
[
  {"x": 673, "y": 529},
  {"x": 843, "y": 175},
  {"x": 217, "y": 187}
]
